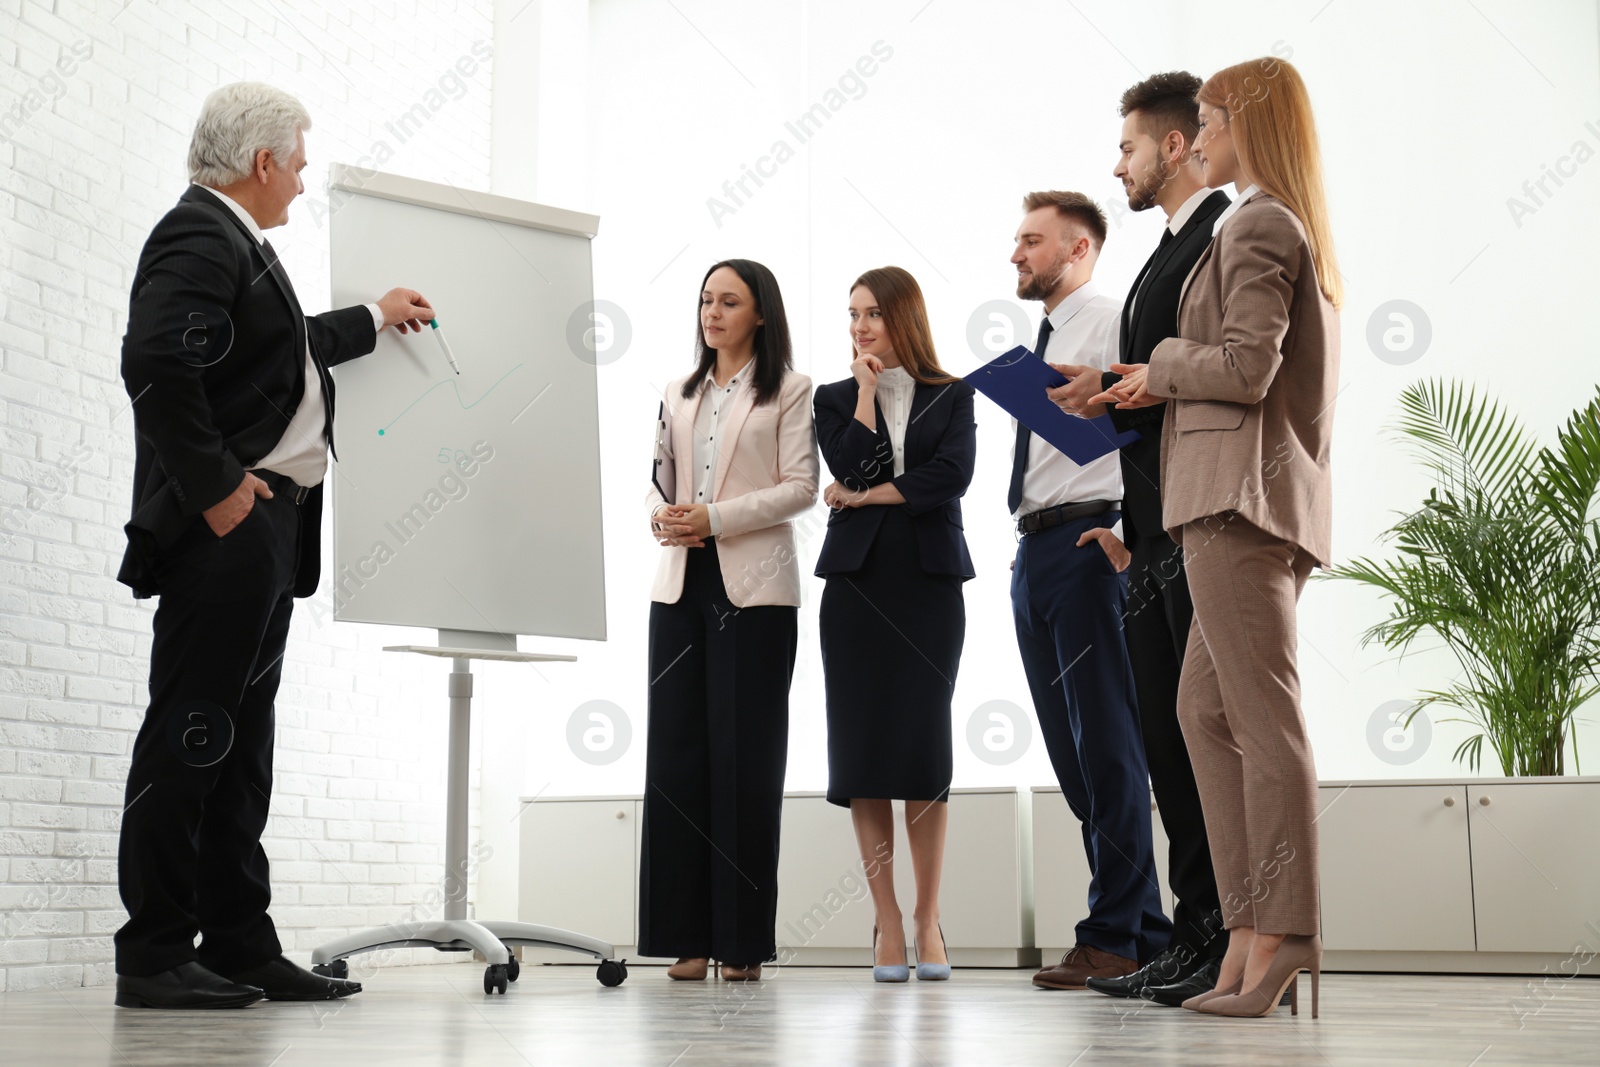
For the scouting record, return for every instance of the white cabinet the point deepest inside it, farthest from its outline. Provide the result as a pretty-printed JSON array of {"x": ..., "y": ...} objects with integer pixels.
[
  {"x": 580, "y": 863},
  {"x": 579, "y": 867},
  {"x": 824, "y": 902},
  {"x": 1061, "y": 871},
  {"x": 1396, "y": 872},
  {"x": 823, "y": 898},
  {"x": 1534, "y": 867}
]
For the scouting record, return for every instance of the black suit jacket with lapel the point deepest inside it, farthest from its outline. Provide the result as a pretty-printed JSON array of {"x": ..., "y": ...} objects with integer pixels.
[
  {"x": 941, "y": 452},
  {"x": 1154, "y": 319},
  {"x": 214, "y": 361}
]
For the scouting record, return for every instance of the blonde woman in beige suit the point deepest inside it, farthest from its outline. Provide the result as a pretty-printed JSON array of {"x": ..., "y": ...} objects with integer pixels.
[{"x": 1245, "y": 488}]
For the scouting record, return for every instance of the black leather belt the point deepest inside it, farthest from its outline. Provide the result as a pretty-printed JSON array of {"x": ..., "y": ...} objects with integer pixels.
[
  {"x": 283, "y": 485},
  {"x": 1061, "y": 514}
]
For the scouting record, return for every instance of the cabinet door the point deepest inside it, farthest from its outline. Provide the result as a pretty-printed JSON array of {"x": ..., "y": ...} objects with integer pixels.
[
  {"x": 1396, "y": 872},
  {"x": 1061, "y": 870},
  {"x": 1535, "y": 872},
  {"x": 980, "y": 899},
  {"x": 823, "y": 899},
  {"x": 577, "y": 867}
]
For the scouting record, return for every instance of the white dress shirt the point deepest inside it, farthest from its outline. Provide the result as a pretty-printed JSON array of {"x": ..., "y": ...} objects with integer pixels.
[
  {"x": 1084, "y": 331},
  {"x": 710, "y": 423},
  {"x": 896, "y": 390},
  {"x": 302, "y": 451},
  {"x": 1228, "y": 212}
]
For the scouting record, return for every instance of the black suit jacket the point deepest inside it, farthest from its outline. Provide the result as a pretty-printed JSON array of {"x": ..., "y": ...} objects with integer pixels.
[
  {"x": 214, "y": 361},
  {"x": 1154, "y": 319},
  {"x": 941, "y": 451}
]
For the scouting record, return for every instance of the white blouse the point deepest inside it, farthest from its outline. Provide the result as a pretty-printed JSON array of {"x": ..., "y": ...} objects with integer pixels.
[
  {"x": 896, "y": 390},
  {"x": 710, "y": 423}
]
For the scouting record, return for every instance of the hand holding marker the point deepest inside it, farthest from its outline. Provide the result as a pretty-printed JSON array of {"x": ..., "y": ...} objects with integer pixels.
[{"x": 438, "y": 331}]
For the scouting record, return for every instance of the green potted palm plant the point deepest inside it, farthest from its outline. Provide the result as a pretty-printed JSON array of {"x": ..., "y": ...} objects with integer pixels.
[{"x": 1502, "y": 564}]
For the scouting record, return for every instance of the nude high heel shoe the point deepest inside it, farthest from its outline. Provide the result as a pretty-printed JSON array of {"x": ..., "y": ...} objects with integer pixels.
[
  {"x": 1299, "y": 952},
  {"x": 688, "y": 969},
  {"x": 1193, "y": 1003}
]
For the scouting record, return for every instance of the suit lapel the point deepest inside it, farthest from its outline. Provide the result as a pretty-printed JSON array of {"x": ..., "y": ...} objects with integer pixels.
[
  {"x": 743, "y": 401},
  {"x": 265, "y": 260},
  {"x": 1125, "y": 334},
  {"x": 682, "y": 412}
]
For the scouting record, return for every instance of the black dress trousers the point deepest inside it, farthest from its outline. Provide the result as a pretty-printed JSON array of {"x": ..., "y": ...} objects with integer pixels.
[
  {"x": 200, "y": 780},
  {"x": 715, "y": 756},
  {"x": 1156, "y": 627},
  {"x": 891, "y": 646}
]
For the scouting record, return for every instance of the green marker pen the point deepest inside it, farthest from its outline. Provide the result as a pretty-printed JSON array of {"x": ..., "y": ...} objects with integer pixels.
[{"x": 438, "y": 331}]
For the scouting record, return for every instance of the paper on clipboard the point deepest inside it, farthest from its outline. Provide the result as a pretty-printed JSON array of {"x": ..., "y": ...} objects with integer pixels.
[
  {"x": 1017, "y": 381},
  {"x": 664, "y": 472}
]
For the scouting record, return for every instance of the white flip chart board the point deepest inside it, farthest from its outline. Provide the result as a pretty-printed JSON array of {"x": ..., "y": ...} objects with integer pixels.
[{"x": 470, "y": 501}]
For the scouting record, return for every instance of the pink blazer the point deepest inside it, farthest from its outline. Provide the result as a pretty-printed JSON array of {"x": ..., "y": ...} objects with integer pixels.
[{"x": 765, "y": 478}]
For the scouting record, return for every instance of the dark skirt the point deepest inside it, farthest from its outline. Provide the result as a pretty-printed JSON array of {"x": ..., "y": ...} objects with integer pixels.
[{"x": 891, "y": 644}]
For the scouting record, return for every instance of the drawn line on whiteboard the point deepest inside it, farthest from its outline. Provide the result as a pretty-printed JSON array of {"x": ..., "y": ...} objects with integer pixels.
[
  {"x": 452, "y": 383},
  {"x": 530, "y": 403}
]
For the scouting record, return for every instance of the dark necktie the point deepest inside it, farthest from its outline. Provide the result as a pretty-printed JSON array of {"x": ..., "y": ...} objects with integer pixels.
[{"x": 1019, "y": 462}]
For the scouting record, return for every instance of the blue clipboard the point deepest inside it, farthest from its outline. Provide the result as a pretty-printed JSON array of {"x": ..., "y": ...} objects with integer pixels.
[{"x": 1017, "y": 381}]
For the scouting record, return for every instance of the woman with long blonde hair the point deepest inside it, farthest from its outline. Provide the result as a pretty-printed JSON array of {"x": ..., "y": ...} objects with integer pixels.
[{"x": 1246, "y": 489}]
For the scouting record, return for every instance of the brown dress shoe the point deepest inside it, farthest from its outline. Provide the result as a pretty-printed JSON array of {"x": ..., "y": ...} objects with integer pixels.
[{"x": 1083, "y": 962}]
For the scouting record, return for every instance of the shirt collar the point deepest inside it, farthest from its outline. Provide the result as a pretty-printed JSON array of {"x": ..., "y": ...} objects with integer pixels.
[
  {"x": 1228, "y": 212},
  {"x": 1187, "y": 209},
  {"x": 1073, "y": 303},
  {"x": 244, "y": 216},
  {"x": 709, "y": 382}
]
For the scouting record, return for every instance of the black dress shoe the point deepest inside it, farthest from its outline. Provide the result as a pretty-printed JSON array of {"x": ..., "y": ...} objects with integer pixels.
[
  {"x": 1203, "y": 979},
  {"x": 186, "y": 986},
  {"x": 283, "y": 979},
  {"x": 1163, "y": 970}
]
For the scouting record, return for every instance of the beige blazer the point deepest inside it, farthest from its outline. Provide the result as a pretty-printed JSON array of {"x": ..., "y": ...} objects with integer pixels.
[
  {"x": 766, "y": 477},
  {"x": 1251, "y": 379}
]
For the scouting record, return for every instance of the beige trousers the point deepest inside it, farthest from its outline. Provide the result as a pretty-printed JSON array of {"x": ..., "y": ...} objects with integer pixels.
[{"x": 1239, "y": 706}]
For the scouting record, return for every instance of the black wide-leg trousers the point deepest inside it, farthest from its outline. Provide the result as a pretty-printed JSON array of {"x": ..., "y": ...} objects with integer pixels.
[
  {"x": 190, "y": 859},
  {"x": 716, "y": 751}
]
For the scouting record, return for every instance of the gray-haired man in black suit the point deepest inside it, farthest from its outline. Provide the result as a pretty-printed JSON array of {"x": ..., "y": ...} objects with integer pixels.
[{"x": 233, "y": 411}]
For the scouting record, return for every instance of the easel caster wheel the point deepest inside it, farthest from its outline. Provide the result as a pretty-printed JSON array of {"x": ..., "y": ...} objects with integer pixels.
[
  {"x": 336, "y": 969},
  {"x": 494, "y": 979},
  {"x": 611, "y": 973}
]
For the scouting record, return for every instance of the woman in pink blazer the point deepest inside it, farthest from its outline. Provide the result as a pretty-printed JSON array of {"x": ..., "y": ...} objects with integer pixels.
[{"x": 736, "y": 460}]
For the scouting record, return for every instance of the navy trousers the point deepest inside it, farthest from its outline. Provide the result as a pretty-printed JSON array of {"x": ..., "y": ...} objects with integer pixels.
[{"x": 1068, "y": 604}]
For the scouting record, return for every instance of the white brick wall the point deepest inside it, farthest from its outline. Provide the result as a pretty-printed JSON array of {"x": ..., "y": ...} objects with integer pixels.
[{"x": 96, "y": 101}]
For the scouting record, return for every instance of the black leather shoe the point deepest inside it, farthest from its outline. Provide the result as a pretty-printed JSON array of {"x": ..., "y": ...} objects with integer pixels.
[
  {"x": 1163, "y": 970},
  {"x": 1202, "y": 979},
  {"x": 283, "y": 979},
  {"x": 186, "y": 986}
]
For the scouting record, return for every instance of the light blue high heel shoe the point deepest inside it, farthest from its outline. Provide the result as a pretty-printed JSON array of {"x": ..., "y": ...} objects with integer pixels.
[
  {"x": 934, "y": 972},
  {"x": 895, "y": 972}
]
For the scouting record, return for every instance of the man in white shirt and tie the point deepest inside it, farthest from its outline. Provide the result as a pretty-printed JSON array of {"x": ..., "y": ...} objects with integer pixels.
[
  {"x": 233, "y": 415},
  {"x": 1068, "y": 596}
]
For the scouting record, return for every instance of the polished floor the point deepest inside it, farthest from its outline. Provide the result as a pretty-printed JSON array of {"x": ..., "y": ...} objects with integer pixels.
[{"x": 560, "y": 1015}]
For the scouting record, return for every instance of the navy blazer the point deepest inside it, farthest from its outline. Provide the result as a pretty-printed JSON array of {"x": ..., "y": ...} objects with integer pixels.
[{"x": 941, "y": 449}]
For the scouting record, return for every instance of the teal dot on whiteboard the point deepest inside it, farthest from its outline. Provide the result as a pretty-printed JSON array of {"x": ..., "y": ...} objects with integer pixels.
[{"x": 380, "y": 433}]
